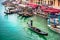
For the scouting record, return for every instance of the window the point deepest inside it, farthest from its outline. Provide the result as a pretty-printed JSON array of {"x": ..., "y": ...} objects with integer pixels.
[
  {"x": 38, "y": 1},
  {"x": 54, "y": 2},
  {"x": 50, "y": 2},
  {"x": 58, "y": 2}
]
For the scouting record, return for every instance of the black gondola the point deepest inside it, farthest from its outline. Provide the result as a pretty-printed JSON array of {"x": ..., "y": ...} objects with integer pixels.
[
  {"x": 37, "y": 30},
  {"x": 7, "y": 13},
  {"x": 20, "y": 13},
  {"x": 27, "y": 15},
  {"x": 11, "y": 12}
]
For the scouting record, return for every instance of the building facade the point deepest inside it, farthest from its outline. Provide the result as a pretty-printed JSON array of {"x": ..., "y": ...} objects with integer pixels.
[{"x": 54, "y": 3}]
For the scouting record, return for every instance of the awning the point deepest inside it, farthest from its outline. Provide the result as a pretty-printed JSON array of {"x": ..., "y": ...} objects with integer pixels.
[
  {"x": 54, "y": 11},
  {"x": 49, "y": 8},
  {"x": 46, "y": 10},
  {"x": 51, "y": 11},
  {"x": 32, "y": 5},
  {"x": 43, "y": 7},
  {"x": 58, "y": 10}
]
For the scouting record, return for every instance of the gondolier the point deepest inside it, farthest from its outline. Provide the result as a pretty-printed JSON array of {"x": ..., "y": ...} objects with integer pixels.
[{"x": 31, "y": 22}]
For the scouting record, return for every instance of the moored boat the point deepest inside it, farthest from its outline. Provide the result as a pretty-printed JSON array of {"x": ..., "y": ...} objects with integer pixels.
[
  {"x": 27, "y": 15},
  {"x": 57, "y": 29},
  {"x": 7, "y": 13}
]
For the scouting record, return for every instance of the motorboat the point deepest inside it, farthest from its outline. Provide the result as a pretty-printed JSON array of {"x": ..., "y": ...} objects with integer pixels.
[{"x": 55, "y": 29}]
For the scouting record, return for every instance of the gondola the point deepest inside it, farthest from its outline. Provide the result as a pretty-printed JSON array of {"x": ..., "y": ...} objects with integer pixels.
[
  {"x": 20, "y": 13},
  {"x": 11, "y": 12},
  {"x": 37, "y": 30},
  {"x": 8, "y": 12},
  {"x": 27, "y": 15}
]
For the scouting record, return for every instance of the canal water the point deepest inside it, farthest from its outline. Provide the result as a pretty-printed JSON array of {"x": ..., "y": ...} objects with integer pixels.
[{"x": 14, "y": 27}]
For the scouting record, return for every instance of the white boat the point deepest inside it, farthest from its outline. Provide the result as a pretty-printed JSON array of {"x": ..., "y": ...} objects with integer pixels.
[
  {"x": 54, "y": 29},
  {"x": 52, "y": 26}
]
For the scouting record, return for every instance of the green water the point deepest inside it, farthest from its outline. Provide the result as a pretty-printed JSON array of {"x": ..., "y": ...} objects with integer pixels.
[{"x": 13, "y": 27}]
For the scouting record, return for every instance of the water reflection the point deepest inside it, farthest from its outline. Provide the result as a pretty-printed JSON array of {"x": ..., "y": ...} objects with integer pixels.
[
  {"x": 33, "y": 35},
  {"x": 21, "y": 26},
  {"x": 24, "y": 18},
  {"x": 41, "y": 36}
]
